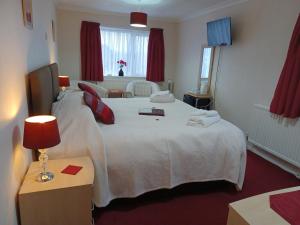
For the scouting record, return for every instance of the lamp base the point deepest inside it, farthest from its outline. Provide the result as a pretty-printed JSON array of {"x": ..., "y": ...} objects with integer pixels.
[{"x": 45, "y": 176}]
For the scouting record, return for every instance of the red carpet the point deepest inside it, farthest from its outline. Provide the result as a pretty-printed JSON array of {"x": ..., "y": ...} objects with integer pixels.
[{"x": 195, "y": 204}]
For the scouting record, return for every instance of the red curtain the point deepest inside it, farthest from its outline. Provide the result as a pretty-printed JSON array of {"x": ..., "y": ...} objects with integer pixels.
[
  {"x": 91, "y": 54},
  {"x": 286, "y": 100},
  {"x": 156, "y": 56}
]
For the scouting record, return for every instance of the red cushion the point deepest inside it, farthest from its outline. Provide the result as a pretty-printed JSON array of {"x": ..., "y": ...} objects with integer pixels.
[
  {"x": 89, "y": 89},
  {"x": 101, "y": 111}
]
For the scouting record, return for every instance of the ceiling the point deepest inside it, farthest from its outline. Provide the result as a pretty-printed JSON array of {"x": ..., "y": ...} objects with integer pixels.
[{"x": 165, "y": 9}]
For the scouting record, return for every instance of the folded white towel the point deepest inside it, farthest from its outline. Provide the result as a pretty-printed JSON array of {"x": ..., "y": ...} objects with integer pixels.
[
  {"x": 160, "y": 93},
  {"x": 207, "y": 113},
  {"x": 201, "y": 121},
  {"x": 162, "y": 98}
]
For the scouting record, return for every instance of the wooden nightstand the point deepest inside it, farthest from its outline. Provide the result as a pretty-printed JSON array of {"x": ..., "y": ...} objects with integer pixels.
[
  {"x": 197, "y": 100},
  {"x": 66, "y": 200}
]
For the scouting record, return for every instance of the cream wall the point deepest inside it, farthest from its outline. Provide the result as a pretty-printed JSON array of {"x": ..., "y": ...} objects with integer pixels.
[
  {"x": 250, "y": 68},
  {"x": 69, "y": 23},
  {"x": 22, "y": 50}
]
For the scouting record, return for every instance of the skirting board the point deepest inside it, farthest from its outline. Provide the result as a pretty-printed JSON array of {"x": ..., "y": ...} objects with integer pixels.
[{"x": 275, "y": 160}]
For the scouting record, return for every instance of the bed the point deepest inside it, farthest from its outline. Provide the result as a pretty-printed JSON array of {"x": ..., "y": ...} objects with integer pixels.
[{"x": 139, "y": 154}]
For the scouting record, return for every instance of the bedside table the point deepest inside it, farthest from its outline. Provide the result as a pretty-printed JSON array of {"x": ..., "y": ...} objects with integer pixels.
[
  {"x": 197, "y": 100},
  {"x": 65, "y": 200}
]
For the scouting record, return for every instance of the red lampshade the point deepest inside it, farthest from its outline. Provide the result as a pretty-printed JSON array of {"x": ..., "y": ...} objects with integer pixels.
[
  {"x": 41, "y": 132},
  {"x": 138, "y": 19},
  {"x": 64, "y": 81}
]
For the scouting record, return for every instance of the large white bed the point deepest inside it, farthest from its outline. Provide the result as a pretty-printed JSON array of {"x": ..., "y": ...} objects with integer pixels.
[{"x": 142, "y": 153}]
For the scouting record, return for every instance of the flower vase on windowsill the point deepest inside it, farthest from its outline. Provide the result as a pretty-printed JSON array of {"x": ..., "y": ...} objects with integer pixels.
[
  {"x": 121, "y": 73},
  {"x": 122, "y": 63}
]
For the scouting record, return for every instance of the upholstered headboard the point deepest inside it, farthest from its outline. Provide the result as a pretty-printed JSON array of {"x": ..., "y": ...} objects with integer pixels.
[{"x": 43, "y": 89}]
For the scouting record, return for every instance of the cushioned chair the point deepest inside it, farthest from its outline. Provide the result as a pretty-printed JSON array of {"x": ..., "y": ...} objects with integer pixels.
[{"x": 142, "y": 88}]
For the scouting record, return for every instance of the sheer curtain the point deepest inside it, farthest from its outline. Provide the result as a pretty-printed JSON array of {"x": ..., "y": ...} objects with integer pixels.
[{"x": 128, "y": 45}]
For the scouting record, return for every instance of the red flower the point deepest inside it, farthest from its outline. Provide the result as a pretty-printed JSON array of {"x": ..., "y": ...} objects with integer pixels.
[{"x": 122, "y": 62}]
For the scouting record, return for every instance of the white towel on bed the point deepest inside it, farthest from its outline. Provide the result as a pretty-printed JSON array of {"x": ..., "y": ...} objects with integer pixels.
[
  {"x": 161, "y": 93},
  {"x": 207, "y": 113},
  {"x": 202, "y": 121},
  {"x": 203, "y": 118},
  {"x": 162, "y": 97}
]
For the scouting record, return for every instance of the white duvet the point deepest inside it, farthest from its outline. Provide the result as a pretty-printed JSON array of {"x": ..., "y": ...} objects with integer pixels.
[{"x": 142, "y": 153}]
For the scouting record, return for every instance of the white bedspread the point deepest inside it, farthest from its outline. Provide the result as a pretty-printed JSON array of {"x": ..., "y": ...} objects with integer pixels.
[{"x": 143, "y": 153}]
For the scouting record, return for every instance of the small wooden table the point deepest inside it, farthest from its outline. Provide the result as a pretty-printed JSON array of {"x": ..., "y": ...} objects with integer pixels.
[
  {"x": 118, "y": 93},
  {"x": 197, "y": 100},
  {"x": 115, "y": 93},
  {"x": 256, "y": 210},
  {"x": 65, "y": 200}
]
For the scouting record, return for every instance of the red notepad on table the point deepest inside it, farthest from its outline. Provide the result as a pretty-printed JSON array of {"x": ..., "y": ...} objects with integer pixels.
[
  {"x": 287, "y": 205},
  {"x": 71, "y": 169}
]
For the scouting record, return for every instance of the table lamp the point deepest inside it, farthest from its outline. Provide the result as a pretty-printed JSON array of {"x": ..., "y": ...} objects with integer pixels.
[
  {"x": 40, "y": 133},
  {"x": 64, "y": 81}
]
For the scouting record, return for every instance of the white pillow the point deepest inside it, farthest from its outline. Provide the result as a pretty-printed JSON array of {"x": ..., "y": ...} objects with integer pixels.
[
  {"x": 162, "y": 98},
  {"x": 61, "y": 95},
  {"x": 101, "y": 91},
  {"x": 161, "y": 93}
]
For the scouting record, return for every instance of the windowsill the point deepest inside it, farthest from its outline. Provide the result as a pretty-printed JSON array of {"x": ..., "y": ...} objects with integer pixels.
[{"x": 123, "y": 78}]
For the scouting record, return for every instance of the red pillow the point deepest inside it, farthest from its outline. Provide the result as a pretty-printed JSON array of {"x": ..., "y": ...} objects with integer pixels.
[
  {"x": 89, "y": 89},
  {"x": 101, "y": 111}
]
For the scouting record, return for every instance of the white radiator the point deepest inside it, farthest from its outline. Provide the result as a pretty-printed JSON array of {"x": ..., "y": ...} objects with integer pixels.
[{"x": 279, "y": 137}]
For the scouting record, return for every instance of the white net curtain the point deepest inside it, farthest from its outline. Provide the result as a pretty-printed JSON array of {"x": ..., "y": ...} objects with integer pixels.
[{"x": 128, "y": 45}]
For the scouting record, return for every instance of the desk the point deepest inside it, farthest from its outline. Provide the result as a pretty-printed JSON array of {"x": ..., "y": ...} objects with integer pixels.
[{"x": 197, "y": 100}]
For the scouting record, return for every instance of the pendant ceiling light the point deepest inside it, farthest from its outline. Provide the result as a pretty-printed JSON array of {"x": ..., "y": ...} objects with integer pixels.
[{"x": 138, "y": 19}]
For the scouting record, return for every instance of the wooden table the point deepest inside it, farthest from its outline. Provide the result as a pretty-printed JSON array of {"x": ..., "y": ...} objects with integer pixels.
[
  {"x": 118, "y": 93},
  {"x": 65, "y": 200},
  {"x": 256, "y": 210},
  {"x": 115, "y": 93},
  {"x": 197, "y": 100}
]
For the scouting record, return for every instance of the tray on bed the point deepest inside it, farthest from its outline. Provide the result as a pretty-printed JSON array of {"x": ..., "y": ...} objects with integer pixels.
[{"x": 152, "y": 112}]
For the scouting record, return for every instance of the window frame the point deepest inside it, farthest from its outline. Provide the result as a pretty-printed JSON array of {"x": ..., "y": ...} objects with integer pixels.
[{"x": 131, "y": 30}]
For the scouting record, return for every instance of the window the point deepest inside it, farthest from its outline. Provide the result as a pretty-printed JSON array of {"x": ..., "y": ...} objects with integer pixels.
[{"x": 128, "y": 45}]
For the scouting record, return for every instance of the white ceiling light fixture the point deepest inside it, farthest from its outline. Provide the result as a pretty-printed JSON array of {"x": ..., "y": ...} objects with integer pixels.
[{"x": 138, "y": 19}]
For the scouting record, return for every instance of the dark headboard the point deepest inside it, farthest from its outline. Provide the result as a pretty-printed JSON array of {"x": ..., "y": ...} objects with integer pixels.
[{"x": 43, "y": 89}]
